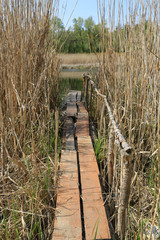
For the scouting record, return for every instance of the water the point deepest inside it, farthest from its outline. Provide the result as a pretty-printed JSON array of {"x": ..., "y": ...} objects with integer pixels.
[{"x": 70, "y": 80}]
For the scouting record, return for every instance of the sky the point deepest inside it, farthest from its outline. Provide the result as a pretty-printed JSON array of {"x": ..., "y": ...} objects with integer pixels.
[
  {"x": 83, "y": 8},
  {"x": 70, "y": 9}
]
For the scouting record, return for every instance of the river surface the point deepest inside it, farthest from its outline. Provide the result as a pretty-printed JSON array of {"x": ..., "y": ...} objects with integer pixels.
[{"x": 70, "y": 80}]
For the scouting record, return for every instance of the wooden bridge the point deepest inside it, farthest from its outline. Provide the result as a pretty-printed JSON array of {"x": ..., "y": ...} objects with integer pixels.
[{"x": 80, "y": 211}]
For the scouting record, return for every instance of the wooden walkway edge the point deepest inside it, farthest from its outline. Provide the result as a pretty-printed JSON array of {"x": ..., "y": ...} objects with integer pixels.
[{"x": 80, "y": 212}]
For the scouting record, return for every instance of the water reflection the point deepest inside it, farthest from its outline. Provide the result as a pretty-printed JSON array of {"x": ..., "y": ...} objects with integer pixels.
[{"x": 70, "y": 80}]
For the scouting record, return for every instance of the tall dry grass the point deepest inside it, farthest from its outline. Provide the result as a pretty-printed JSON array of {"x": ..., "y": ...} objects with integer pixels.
[
  {"x": 78, "y": 59},
  {"x": 131, "y": 70},
  {"x": 28, "y": 75}
]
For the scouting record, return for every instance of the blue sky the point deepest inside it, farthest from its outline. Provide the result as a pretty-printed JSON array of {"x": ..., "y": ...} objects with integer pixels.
[
  {"x": 87, "y": 8},
  {"x": 84, "y": 9}
]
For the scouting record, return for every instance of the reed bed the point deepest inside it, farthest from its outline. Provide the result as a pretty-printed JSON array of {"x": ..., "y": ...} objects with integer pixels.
[
  {"x": 129, "y": 77},
  {"x": 78, "y": 58},
  {"x": 71, "y": 75},
  {"x": 28, "y": 75}
]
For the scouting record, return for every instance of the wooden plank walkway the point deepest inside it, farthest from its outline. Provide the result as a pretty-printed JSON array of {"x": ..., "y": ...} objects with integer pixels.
[
  {"x": 79, "y": 175},
  {"x": 68, "y": 216}
]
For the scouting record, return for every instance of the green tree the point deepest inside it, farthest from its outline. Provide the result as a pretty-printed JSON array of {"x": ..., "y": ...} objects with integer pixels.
[
  {"x": 57, "y": 30},
  {"x": 78, "y": 24},
  {"x": 89, "y": 26},
  {"x": 97, "y": 32},
  {"x": 85, "y": 36},
  {"x": 78, "y": 37}
]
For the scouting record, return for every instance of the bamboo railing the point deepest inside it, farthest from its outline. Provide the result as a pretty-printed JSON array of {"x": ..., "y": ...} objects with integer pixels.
[{"x": 115, "y": 136}]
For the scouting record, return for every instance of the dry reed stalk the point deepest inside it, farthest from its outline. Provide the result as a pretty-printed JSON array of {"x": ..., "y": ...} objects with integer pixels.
[
  {"x": 159, "y": 143},
  {"x": 126, "y": 163},
  {"x": 79, "y": 58},
  {"x": 56, "y": 143},
  {"x": 154, "y": 215},
  {"x": 2, "y": 140},
  {"x": 29, "y": 69},
  {"x": 131, "y": 68}
]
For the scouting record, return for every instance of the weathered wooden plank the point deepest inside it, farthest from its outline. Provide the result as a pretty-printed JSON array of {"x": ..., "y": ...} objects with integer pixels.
[
  {"x": 94, "y": 212},
  {"x": 82, "y": 124},
  {"x": 71, "y": 109},
  {"x": 71, "y": 104},
  {"x": 68, "y": 215},
  {"x": 69, "y": 140},
  {"x": 72, "y": 96},
  {"x": 79, "y": 96},
  {"x": 81, "y": 107},
  {"x": 68, "y": 218}
]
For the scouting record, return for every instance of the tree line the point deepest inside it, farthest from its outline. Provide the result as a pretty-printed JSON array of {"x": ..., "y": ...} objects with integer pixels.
[
  {"x": 86, "y": 37},
  {"x": 83, "y": 37}
]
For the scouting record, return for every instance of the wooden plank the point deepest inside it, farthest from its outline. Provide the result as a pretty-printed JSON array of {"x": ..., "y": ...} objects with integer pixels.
[
  {"x": 71, "y": 104},
  {"x": 82, "y": 124},
  {"x": 72, "y": 96},
  {"x": 68, "y": 215},
  {"x": 79, "y": 96},
  {"x": 71, "y": 109},
  {"x": 94, "y": 212},
  {"x": 69, "y": 139},
  {"x": 81, "y": 107},
  {"x": 68, "y": 218}
]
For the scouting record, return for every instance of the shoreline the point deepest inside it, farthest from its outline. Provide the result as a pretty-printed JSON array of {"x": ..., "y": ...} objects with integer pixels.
[
  {"x": 79, "y": 61},
  {"x": 79, "y": 66}
]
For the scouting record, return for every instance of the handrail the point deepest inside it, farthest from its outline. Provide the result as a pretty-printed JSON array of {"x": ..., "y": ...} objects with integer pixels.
[
  {"x": 126, "y": 159},
  {"x": 122, "y": 142}
]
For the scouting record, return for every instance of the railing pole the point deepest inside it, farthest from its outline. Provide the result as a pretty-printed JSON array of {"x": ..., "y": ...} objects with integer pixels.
[
  {"x": 111, "y": 156},
  {"x": 90, "y": 90},
  {"x": 126, "y": 162},
  {"x": 124, "y": 193},
  {"x": 86, "y": 91},
  {"x": 102, "y": 116}
]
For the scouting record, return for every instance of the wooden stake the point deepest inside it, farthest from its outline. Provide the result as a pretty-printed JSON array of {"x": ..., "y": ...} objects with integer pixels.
[
  {"x": 111, "y": 156},
  {"x": 124, "y": 194},
  {"x": 90, "y": 108},
  {"x": 102, "y": 116}
]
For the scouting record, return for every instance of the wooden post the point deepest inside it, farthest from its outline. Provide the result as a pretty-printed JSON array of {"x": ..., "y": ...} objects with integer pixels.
[
  {"x": 90, "y": 107},
  {"x": 98, "y": 112},
  {"x": 102, "y": 116},
  {"x": 86, "y": 91},
  {"x": 104, "y": 151},
  {"x": 111, "y": 156},
  {"x": 124, "y": 194}
]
